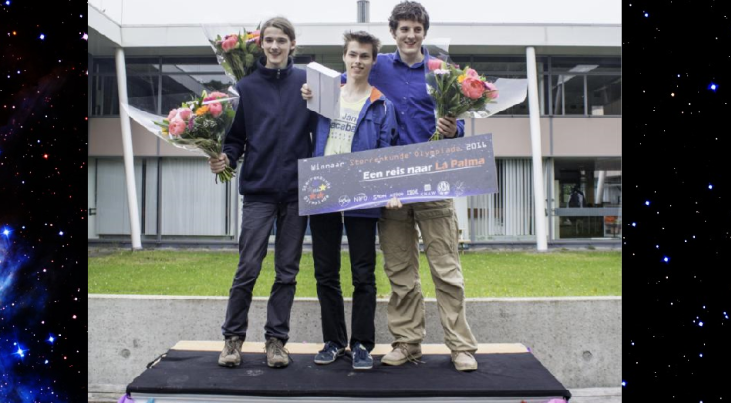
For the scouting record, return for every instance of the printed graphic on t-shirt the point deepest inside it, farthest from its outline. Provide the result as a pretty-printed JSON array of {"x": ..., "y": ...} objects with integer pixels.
[{"x": 342, "y": 129}]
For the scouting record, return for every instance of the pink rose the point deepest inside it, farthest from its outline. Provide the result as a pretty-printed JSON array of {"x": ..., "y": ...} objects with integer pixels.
[
  {"x": 215, "y": 108},
  {"x": 472, "y": 73},
  {"x": 472, "y": 88},
  {"x": 184, "y": 113},
  {"x": 434, "y": 64},
  {"x": 217, "y": 95},
  {"x": 173, "y": 113},
  {"x": 177, "y": 127},
  {"x": 230, "y": 43},
  {"x": 491, "y": 90}
]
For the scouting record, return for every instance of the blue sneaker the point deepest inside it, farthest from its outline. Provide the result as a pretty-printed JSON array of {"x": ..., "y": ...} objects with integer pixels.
[
  {"x": 361, "y": 357},
  {"x": 329, "y": 353}
]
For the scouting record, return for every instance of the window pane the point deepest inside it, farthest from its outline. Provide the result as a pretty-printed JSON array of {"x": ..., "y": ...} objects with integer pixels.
[
  {"x": 191, "y": 65},
  {"x": 586, "y": 65},
  {"x": 142, "y": 92},
  {"x": 303, "y": 60},
  {"x": 605, "y": 95},
  {"x": 104, "y": 66},
  {"x": 544, "y": 94},
  {"x": 568, "y": 94},
  {"x": 181, "y": 88},
  {"x": 104, "y": 97},
  {"x": 148, "y": 65},
  {"x": 490, "y": 64},
  {"x": 334, "y": 62},
  {"x": 461, "y": 60},
  {"x": 588, "y": 195},
  {"x": 176, "y": 90},
  {"x": 212, "y": 82}
]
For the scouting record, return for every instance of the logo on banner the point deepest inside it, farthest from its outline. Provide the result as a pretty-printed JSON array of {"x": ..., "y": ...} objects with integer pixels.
[
  {"x": 443, "y": 188},
  {"x": 459, "y": 188},
  {"x": 344, "y": 200},
  {"x": 315, "y": 190},
  {"x": 360, "y": 198}
]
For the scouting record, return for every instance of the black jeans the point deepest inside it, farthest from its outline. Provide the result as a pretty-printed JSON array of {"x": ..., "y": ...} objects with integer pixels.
[
  {"x": 327, "y": 232},
  {"x": 256, "y": 225}
]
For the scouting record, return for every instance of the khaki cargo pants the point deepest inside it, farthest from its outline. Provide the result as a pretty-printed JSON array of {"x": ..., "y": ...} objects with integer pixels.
[{"x": 399, "y": 242}]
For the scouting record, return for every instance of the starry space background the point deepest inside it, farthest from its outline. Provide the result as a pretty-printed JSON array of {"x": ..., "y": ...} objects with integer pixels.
[
  {"x": 43, "y": 173},
  {"x": 677, "y": 210},
  {"x": 677, "y": 203}
]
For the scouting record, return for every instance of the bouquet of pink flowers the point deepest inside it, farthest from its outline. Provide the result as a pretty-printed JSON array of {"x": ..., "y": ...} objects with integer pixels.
[
  {"x": 201, "y": 125},
  {"x": 237, "y": 53},
  {"x": 457, "y": 91}
]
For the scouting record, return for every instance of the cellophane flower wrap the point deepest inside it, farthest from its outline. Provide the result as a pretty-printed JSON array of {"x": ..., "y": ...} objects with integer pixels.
[
  {"x": 236, "y": 49},
  {"x": 199, "y": 125},
  {"x": 464, "y": 93}
]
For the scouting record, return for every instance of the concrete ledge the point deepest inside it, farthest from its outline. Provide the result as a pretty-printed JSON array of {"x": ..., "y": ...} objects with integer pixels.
[
  {"x": 378, "y": 349},
  {"x": 578, "y": 339}
]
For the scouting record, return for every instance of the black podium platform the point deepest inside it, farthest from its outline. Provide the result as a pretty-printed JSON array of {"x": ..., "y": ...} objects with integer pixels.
[{"x": 195, "y": 376}]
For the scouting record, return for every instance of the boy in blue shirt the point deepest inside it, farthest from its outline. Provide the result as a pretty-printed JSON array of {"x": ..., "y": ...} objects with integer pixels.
[{"x": 401, "y": 76}]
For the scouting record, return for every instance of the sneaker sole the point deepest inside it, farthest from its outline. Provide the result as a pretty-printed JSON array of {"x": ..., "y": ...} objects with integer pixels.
[
  {"x": 278, "y": 365},
  {"x": 329, "y": 362},
  {"x": 400, "y": 362},
  {"x": 362, "y": 368},
  {"x": 466, "y": 369},
  {"x": 228, "y": 364}
]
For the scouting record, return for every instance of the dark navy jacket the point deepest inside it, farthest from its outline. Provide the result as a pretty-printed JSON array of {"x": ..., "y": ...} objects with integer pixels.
[
  {"x": 376, "y": 128},
  {"x": 272, "y": 130}
]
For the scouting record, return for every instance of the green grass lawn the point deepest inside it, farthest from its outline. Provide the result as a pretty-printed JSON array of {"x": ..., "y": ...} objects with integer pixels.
[{"x": 487, "y": 274}]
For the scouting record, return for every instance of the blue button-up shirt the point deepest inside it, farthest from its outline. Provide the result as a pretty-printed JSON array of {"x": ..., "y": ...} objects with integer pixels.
[{"x": 406, "y": 88}]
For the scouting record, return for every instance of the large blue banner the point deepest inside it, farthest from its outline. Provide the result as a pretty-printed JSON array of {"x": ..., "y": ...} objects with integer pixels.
[{"x": 415, "y": 173}]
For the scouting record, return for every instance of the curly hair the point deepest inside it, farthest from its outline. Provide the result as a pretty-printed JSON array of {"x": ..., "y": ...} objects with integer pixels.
[{"x": 409, "y": 11}]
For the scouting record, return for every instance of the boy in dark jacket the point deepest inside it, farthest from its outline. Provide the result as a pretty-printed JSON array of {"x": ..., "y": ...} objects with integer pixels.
[
  {"x": 272, "y": 129},
  {"x": 367, "y": 120}
]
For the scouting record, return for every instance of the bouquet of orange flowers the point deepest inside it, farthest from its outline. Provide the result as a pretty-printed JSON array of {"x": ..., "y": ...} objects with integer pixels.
[
  {"x": 457, "y": 91},
  {"x": 236, "y": 53}
]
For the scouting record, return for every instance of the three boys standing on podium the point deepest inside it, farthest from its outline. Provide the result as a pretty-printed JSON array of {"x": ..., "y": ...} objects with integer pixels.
[{"x": 404, "y": 116}]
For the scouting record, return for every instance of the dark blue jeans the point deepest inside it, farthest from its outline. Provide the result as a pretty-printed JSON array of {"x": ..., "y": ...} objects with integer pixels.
[
  {"x": 327, "y": 232},
  {"x": 256, "y": 225}
]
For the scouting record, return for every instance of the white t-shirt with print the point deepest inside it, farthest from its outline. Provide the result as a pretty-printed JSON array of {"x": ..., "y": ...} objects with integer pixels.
[{"x": 342, "y": 129}]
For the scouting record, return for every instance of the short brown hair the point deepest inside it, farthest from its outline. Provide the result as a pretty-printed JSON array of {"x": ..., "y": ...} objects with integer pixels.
[
  {"x": 363, "y": 38},
  {"x": 408, "y": 11},
  {"x": 281, "y": 23}
]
